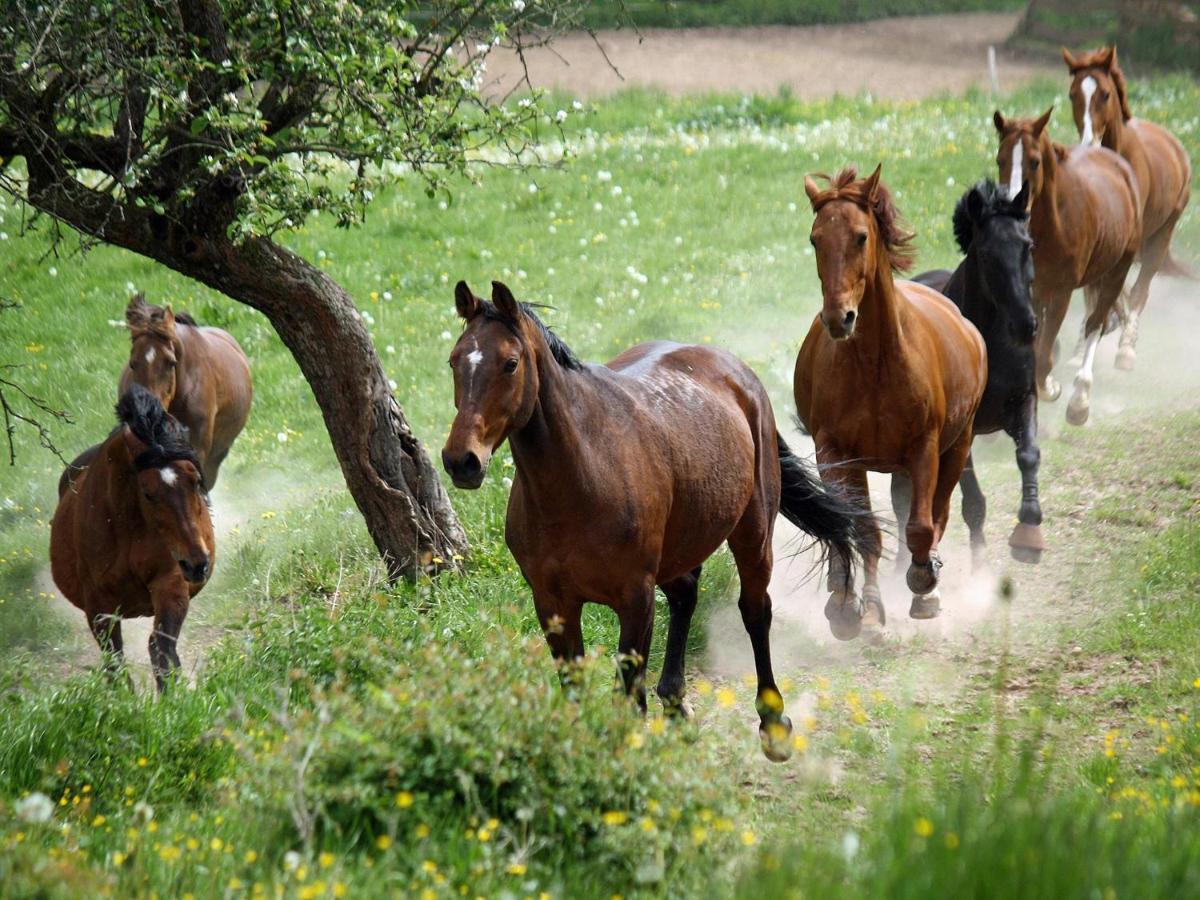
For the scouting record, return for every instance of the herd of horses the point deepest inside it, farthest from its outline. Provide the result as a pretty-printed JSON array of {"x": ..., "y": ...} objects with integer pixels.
[{"x": 629, "y": 475}]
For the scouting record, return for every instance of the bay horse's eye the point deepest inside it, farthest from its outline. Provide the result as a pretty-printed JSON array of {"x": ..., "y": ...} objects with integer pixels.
[
  {"x": 510, "y": 366},
  {"x": 861, "y": 238}
]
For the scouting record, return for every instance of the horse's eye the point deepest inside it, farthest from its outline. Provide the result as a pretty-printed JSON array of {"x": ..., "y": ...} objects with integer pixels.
[
  {"x": 148, "y": 496},
  {"x": 1033, "y": 163},
  {"x": 510, "y": 366},
  {"x": 862, "y": 239},
  {"x": 1104, "y": 96}
]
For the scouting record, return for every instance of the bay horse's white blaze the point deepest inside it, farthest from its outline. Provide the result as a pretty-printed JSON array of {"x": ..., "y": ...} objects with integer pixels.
[
  {"x": 1016, "y": 177},
  {"x": 150, "y": 356},
  {"x": 1088, "y": 86},
  {"x": 168, "y": 476},
  {"x": 474, "y": 358}
]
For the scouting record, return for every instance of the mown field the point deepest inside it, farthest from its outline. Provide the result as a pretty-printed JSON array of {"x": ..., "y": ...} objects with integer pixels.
[{"x": 344, "y": 737}]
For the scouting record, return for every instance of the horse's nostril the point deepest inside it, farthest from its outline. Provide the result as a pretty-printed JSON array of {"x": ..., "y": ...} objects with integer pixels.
[
  {"x": 470, "y": 465},
  {"x": 194, "y": 571},
  {"x": 848, "y": 319}
]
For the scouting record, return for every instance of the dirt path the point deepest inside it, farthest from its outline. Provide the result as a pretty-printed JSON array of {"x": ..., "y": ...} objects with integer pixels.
[{"x": 894, "y": 59}]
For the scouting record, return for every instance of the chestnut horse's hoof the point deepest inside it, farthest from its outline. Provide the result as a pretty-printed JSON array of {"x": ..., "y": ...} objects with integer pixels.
[
  {"x": 776, "y": 739},
  {"x": 845, "y": 615},
  {"x": 923, "y": 577},
  {"x": 1026, "y": 543},
  {"x": 1126, "y": 357},
  {"x": 1049, "y": 390},
  {"x": 926, "y": 606},
  {"x": 1078, "y": 411},
  {"x": 874, "y": 615}
]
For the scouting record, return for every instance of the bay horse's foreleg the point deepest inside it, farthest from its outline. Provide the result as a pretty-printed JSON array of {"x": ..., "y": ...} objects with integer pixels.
[
  {"x": 974, "y": 511},
  {"x": 920, "y": 533},
  {"x": 1051, "y": 312},
  {"x": 681, "y": 594},
  {"x": 561, "y": 625},
  {"x": 633, "y": 645},
  {"x": 844, "y": 610},
  {"x": 106, "y": 629},
  {"x": 168, "y": 622},
  {"x": 1026, "y": 541},
  {"x": 901, "y": 504}
]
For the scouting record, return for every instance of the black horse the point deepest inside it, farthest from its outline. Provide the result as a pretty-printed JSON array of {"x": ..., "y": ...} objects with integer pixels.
[{"x": 992, "y": 288}]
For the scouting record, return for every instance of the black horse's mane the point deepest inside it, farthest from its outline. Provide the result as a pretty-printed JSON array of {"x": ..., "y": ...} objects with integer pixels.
[
  {"x": 562, "y": 354},
  {"x": 166, "y": 439},
  {"x": 992, "y": 202}
]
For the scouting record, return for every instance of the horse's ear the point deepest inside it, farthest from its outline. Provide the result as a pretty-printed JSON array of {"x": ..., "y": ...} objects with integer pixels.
[
  {"x": 133, "y": 443},
  {"x": 810, "y": 188},
  {"x": 1040, "y": 124},
  {"x": 1068, "y": 58},
  {"x": 1112, "y": 57},
  {"x": 137, "y": 313},
  {"x": 465, "y": 302},
  {"x": 505, "y": 301},
  {"x": 975, "y": 205},
  {"x": 871, "y": 186},
  {"x": 998, "y": 121},
  {"x": 168, "y": 318}
]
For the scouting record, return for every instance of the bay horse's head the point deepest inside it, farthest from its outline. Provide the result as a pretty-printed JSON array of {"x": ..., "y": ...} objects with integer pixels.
[
  {"x": 496, "y": 377},
  {"x": 1098, "y": 94},
  {"x": 1021, "y": 154},
  {"x": 170, "y": 488},
  {"x": 993, "y": 232},
  {"x": 856, "y": 229},
  {"x": 155, "y": 350}
]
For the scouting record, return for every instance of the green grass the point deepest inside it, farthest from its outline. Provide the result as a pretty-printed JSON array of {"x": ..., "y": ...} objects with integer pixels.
[{"x": 328, "y": 700}]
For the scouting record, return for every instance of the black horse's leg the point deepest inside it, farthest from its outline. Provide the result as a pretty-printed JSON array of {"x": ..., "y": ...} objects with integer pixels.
[
  {"x": 901, "y": 504},
  {"x": 106, "y": 629},
  {"x": 681, "y": 595},
  {"x": 633, "y": 646},
  {"x": 974, "y": 511},
  {"x": 1026, "y": 541},
  {"x": 163, "y": 640}
]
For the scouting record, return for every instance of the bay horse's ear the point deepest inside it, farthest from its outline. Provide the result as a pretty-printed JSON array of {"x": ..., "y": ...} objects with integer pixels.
[
  {"x": 998, "y": 121},
  {"x": 168, "y": 319},
  {"x": 505, "y": 301},
  {"x": 1040, "y": 125},
  {"x": 1112, "y": 57},
  {"x": 465, "y": 302},
  {"x": 1068, "y": 58},
  {"x": 133, "y": 443},
  {"x": 810, "y": 188},
  {"x": 871, "y": 186},
  {"x": 137, "y": 312}
]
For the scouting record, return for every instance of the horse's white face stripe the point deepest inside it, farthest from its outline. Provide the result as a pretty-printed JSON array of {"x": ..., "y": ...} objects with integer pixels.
[
  {"x": 150, "y": 356},
  {"x": 1017, "y": 176},
  {"x": 1088, "y": 86},
  {"x": 474, "y": 357},
  {"x": 168, "y": 475}
]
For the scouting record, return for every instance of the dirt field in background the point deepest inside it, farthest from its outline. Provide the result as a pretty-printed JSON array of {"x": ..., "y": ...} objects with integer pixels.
[{"x": 894, "y": 59}]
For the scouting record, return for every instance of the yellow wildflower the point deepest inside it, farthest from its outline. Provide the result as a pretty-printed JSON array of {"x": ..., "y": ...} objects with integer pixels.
[
  {"x": 923, "y": 827},
  {"x": 748, "y": 838},
  {"x": 383, "y": 842},
  {"x": 404, "y": 799},
  {"x": 516, "y": 869},
  {"x": 726, "y": 698},
  {"x": 325, "y": 860},
  {"x": 615, "y": 817}
]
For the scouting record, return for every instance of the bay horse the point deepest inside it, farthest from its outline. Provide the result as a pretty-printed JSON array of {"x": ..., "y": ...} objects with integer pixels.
[
  {"x": 1100, "y": 102},
  {"x": 992, "y": 287},
  {"x": 132, "y": 534},
  {"x": 199, "y": 373},
  {"x": 630, "y": 475},
  {"x": 887, "y": 380},
  {"x": 1086, "y": 222}
]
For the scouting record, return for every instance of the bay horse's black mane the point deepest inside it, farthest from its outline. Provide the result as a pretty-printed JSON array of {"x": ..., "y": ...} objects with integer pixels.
[
  {"x": 165, "y": 438},
  {"x": 992, "y": 202},
  {"x": 562, "y": 354}
]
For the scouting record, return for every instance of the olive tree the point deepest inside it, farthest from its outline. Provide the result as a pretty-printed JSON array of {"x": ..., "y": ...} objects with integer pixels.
[{"x": 195, "y": 132}]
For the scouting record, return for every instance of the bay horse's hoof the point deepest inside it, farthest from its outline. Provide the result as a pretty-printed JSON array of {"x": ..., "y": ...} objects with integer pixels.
[
  {"x": 926, "y": 606},
  {"x": 776, "y": 739},
  {"x": 1126, "y": 357},
  {"x": 923, "y": 577},
  {"x": 874, "y": 615},
  {"x": 845, "y": 615},
  {"x": 1026, "y": 543}
]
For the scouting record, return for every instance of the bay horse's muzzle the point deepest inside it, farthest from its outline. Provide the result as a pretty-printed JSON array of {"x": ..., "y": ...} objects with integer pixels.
[
  {"x": 195, "y": 571},
  {"x": 466, "y": 470},
  {"x": 839, "y": 325}
]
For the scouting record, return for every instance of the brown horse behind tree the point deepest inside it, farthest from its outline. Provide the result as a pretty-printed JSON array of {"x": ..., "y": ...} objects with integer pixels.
[
  {"x": 1085, "y": 219},
  {"x": 1158, "y": 160},
  {"x": 630, "y": 475},
  {"x": 132, "y": 535},
  {"x": 199, "y": 373},
  {"x": 888, "y": 380}
]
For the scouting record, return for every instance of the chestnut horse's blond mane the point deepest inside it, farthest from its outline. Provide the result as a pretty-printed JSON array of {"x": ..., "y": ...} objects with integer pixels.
[
  {"x": 1105, "y": 58},
  {"x": 847, "y": 186}
]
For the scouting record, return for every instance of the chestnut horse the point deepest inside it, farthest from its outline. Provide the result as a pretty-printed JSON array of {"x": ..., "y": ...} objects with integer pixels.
[
  {"x": 1158, "y": 160},
  {"x": 1086, "y": 222},
  {"x": 199, "y": 373},
  {"x": 887, "y": 380},
  {"x": 132, "y": 535},
  {"x": 630, "y": 475}
]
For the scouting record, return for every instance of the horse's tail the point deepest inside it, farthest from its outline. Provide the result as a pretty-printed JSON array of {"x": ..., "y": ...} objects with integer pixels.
[
  {"x": 822, "y": 511},
  {"x": 1173, "y": 268}
]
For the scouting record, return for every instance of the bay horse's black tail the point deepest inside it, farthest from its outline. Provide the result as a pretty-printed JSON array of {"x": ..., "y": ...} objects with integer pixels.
[{"x": 823, "y": 511}]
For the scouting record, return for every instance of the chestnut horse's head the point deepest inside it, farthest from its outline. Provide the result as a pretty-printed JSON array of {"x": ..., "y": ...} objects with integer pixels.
[
  {"x": 1021, "y": 154},
  {"x": 1098, "y": 96},
  {"x": 856, "y": 230},
  {"x": 496, "y": 377},
  {"x": 169, "y": 483},
  {"x": 155, "y": 353}
]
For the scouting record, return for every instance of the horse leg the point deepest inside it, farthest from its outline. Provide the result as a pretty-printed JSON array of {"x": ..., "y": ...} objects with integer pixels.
[
  {"x": 847, "y": 614},
  {"x": 633, "y": 645},
  {"x": 901, "y": 504},
  {"x": 750, "y": 543},
  {"x": 1053, "y": 311},
  {"x": 212, "y": 467},
  {"x": 1026, "y": 542},
  {"x": 1154, "y": 253},
  {"x": 922, "y": 575},
  {"x": 164, "y": 660},
  {"x": 950, "y": 466},
  {"x": 681, "y": 594},
  {"x": 974, "y": 512},
  {"x": 560, "y": 623},
  {"x": 106, "y": 629},
  {"x": 1076, "y": 359},
  {"x": 1106, "y": 291}
]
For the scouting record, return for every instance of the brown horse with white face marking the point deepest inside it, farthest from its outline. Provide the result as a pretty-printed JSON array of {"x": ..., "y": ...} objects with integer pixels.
[
  {"x": 1085, "y": 219},
  {"x": 1158, "y": 160},
  {"x": 199, "y": 373},
  {"x": 888, "y": 380},
  {"x": 630, "y": 475},
  {"x": 132, "y": 535}
]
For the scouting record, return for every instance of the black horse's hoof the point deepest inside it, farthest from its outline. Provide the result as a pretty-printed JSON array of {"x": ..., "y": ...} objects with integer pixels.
[
  {"x": 845, "y": 614},
  {"x": 923, "y": 577},
  {"x": 776, "y": 739}
]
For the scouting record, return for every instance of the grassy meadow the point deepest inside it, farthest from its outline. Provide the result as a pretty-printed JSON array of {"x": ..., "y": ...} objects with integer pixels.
[{"x": 346, "y": 737}]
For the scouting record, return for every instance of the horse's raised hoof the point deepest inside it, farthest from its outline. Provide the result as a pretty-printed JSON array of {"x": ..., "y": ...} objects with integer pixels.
[
  {"x": 1078, "y": 410},
  {"x": 923, "y": 577},
  {"x": 926, "y": 606},
  {"x": 1126, "y": 357},
  {"x": 1049, "y": 390},
  {"x": 845, "y": 615},
  {"x": 776, "y": 739},
  {"x": 1026, "y": 543}
]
